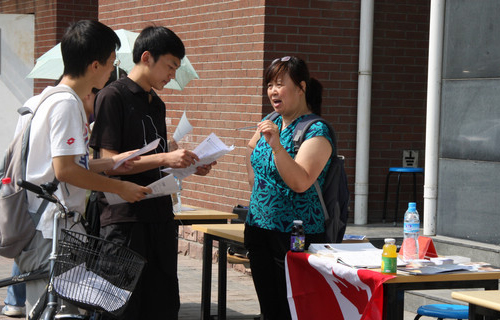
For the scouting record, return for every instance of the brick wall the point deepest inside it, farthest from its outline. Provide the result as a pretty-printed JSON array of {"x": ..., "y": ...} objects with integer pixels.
[
  {"x": 400, "y": 53},
  {"x": 230, "y": 42},
  {"x": 224, "y": 41}
]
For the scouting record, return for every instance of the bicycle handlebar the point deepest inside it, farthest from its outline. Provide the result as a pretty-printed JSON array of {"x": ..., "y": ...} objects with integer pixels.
[
  {"x": 39, "y": 190},
  {"x": 30, "y": 186}
]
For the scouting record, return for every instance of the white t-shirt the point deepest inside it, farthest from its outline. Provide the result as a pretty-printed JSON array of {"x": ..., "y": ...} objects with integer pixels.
[{"x": 59, "y": 128}]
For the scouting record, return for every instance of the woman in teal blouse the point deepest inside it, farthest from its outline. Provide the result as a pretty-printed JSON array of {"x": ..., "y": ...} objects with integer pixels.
[{"x": 282, "y": 181}]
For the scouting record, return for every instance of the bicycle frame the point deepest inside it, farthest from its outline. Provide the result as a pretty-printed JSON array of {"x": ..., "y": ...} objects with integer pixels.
[{"x": 46, "y": 306}]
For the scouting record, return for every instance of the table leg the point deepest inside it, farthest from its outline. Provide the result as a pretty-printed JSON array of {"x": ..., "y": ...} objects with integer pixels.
[
  {"x": 394, "y": 302},
  {"x": 206, "y": 280},
  {"x": 222, "y": 280}
]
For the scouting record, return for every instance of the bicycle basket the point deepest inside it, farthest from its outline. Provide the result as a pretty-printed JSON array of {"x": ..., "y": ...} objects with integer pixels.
[{"x": 94, "y": 273}]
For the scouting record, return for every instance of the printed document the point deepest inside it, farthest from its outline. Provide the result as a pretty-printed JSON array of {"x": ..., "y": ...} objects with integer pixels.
[
  {"x": 358, "y": 255},
  {"x": 162, "y": 187},
  {"x": 211, "y": 149},
  {"x": 151, "y": 146}
]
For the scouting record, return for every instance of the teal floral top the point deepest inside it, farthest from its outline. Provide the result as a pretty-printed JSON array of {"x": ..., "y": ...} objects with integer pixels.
[{"x": 273, "y": 205}]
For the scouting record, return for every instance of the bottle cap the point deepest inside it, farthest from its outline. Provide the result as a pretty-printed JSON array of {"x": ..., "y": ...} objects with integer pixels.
[
  {"x": 412, "y": 206},
  {"x": 6, "y": 180},
  {"x": 390, "y": 240},
  {"x": 297, "y": 221}
]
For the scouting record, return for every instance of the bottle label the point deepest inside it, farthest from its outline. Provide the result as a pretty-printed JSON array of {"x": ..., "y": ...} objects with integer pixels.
[
  {"x": 389, "y": 265},
  {"x": 411, "y": 227},
  {"x": 297, "y": 243}
]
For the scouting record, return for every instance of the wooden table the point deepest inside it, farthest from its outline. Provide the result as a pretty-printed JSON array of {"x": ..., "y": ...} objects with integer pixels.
[
  {"x": 224, "y": 233},
  {"x": 395, "y": 288},
  {"x": 482, "y": 304},
  {"x": 197, "y": 215}
]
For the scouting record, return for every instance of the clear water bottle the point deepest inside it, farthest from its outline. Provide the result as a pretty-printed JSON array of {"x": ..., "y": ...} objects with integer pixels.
[
  {"x": 411, "y": 230},
  {"x": 176, "y": 197},
  {"x": 298, "y": 238}
]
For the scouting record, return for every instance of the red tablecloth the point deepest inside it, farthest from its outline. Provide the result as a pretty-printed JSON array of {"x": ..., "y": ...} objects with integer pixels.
[{"x": 319, "y": 288}]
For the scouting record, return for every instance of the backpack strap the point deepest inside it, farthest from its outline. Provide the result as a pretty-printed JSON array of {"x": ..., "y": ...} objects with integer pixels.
[
  {"x": 301, "y": 128},
  {"x": 25, "y": 144},
  {"x": 299, "y": 136}
]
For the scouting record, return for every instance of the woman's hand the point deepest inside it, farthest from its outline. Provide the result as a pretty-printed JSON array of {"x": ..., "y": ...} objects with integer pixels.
[{"x": 271, "y": 133}]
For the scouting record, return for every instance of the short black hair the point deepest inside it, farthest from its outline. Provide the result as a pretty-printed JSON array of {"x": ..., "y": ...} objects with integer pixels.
[
  {"x": 158, "y": 41},
  {"x": 85, "y": 42}
]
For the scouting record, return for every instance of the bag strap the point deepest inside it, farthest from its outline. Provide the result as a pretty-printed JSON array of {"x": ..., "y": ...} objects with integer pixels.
[
  {"x": 299, "y": 134},
  {"x": 25, "y": 143}
]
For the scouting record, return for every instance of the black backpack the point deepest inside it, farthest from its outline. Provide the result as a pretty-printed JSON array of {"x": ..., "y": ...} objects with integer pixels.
[{"x": 334, "y": 197}]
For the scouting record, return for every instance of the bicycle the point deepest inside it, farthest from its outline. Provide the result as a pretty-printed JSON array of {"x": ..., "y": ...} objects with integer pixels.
[{"x": 91, "y": 273}]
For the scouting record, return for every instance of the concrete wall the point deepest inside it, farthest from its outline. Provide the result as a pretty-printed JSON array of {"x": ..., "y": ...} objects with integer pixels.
[
  {"x": 469, "y": 158},
  {"x": 16, "y": 60}
]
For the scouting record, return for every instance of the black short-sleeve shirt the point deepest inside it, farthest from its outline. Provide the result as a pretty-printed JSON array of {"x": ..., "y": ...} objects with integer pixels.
[{"x": 127, "y": 120}]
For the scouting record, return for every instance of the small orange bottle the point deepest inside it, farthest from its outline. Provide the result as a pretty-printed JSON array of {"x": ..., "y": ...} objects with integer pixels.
[{"x": 389, "y": 257}]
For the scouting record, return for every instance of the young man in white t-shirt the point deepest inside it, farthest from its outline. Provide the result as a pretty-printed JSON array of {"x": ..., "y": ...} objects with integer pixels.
[{"x": 58, "y": 145}]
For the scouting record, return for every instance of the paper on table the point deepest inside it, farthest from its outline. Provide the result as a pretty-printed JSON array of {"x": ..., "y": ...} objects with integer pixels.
[
  {"x": 162, "y": 187},
  {"x": 211, "y": 149},
  {"x": 359, "y": 255},
  {"x": 151, "y": 146},
  {"x": 183, "y": 128}
]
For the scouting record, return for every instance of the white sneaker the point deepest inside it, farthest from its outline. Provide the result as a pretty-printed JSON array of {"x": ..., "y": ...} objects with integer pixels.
[{"x": 13, "y": 311}]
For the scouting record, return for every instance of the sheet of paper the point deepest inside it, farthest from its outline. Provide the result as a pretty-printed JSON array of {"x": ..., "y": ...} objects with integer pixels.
[
  {"x": 211, "y": 149},
  {"x": 183, "y": 128},
  {"x": 151, "y": 146},
  {"x": 162, "y": 187},
  {"x": 359, "y": 255}
]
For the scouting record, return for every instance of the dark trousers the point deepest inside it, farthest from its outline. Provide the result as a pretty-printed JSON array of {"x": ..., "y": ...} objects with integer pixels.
[
  {"x": 156, "y": 295},
  {"x": 267, "y": 251}
]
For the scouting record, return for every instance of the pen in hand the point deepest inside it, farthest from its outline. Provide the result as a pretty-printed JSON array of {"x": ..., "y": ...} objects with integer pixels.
[{"x": 244, "y": 128}]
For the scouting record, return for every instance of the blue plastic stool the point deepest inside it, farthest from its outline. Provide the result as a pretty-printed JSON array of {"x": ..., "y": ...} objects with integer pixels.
[
  {"x": 443, "y": 311},
  {"x": 400, "y": 171}
]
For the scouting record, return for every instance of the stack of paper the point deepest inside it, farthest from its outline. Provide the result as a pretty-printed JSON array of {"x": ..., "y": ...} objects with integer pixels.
[
  {"x": 211, "y": 149},
  {"x": 358, "y": 255}
]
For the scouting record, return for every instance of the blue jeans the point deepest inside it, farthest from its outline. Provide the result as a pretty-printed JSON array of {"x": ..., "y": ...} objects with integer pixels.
[{"x": 16, "y": 294}]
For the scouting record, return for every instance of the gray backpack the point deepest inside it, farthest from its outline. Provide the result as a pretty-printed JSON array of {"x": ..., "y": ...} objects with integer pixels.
[{"x": 17, "y": 224}]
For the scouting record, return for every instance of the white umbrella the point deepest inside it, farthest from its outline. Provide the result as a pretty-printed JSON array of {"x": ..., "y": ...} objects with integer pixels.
[{"x": 50, "y": 64}]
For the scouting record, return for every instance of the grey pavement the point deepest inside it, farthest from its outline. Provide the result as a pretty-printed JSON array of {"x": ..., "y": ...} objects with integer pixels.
[{"x": 241, "y": 298}]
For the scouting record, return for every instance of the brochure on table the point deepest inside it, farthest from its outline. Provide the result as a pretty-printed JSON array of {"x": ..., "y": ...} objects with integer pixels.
[{"x": 357, "y": 255}]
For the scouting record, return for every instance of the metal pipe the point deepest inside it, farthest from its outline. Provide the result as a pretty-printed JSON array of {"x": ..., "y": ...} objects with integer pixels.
[
  {"x": 433, "y": 115},
  {"x": 364, "y": 109}
]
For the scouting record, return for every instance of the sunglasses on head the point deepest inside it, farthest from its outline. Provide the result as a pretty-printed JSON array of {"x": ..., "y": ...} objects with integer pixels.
[{"x": 284, "y": 59}]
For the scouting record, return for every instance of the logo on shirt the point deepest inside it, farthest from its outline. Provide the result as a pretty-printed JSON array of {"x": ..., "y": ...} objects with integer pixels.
[{"x": 70, "y": 141}]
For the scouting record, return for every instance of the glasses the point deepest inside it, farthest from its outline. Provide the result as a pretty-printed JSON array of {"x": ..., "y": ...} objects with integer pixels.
[{"x": 284, "y": 59}]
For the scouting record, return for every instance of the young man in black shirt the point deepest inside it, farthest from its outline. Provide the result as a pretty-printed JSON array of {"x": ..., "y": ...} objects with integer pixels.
[{"x": 129, "y": 115}]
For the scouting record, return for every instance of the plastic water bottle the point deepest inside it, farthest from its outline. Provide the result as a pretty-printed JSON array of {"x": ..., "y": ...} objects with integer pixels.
[
  {"x": 411, "y": 230},
  {"x": 298, "y": 238},
  {"x": 176, "y": 198},
  {"x": 7, "y": 188},
  {"x": 389, "y": 257}
]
